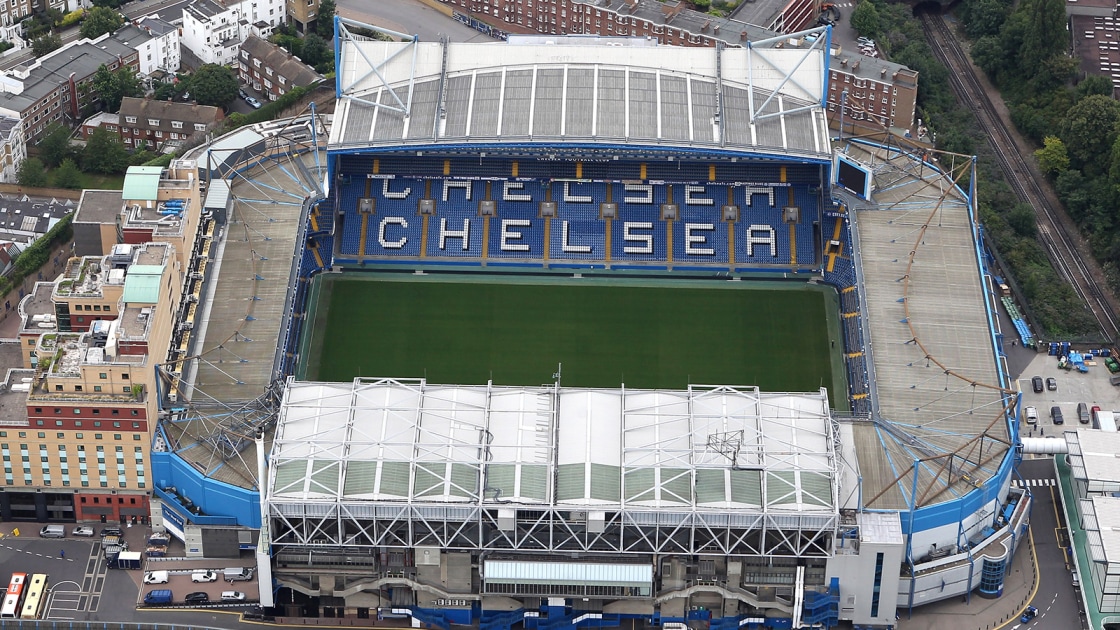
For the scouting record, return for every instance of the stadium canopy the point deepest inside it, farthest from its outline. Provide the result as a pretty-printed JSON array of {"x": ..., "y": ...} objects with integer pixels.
[
  {"x": 704, "y": 449},
  {"x": 758, "y": 100}
]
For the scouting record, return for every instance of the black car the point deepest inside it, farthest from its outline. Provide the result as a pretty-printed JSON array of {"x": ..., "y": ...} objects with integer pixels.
[
  {"x": 1056, "y": 415},
  {"x": 197, "y": 597},
  {"x": 1036, "y": 384},
  {"x": 1052, "y": 384},
  {"x": 111, "y": 531},
  {"x": 242, "y": 93}
]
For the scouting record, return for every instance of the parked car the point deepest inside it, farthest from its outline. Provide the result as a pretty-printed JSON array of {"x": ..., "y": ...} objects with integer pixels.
[
  {"x": 52, "y": 531},
  {"x": 1052, "y": 384},
  {"x": 1083, "y": 413},
  {"x": 1031, "y": 415},
  {"x": 233, "y": 596},
  {"x": 156, "y": 577},
  {"x": 160, "y": 596},
  {"x": 204, "y": 576},
  {"x": 197, "y": 597},
  {"x": 83, "y": 530},
  {"x": 242, "y": 93},
  {"x": 111, "y": 531},
  {"x": 254, "y": 103},
  {"x": 1036, "y": 384},
  {"x": 1056, "y": 415},
  {"x": 237, "y": 574}
]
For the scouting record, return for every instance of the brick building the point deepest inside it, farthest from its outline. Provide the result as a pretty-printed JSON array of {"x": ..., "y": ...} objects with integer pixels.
[
  {"x": 163, "y": 124},
  {"x": 271, "y": 70},
  {"x": 674, "y": 23},
  {"x": 56, "y": 88}
]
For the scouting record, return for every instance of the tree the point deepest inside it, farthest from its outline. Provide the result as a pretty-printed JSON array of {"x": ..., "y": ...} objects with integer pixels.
[
  {"x": 100, "y": 20},
  {"x": 1045, "y": 35},
  {"x": 114, "y": 86},
  {"x": 54, "y": 146},
  {"x": 1089, "y": 130},
  {"x": 315, "y": 50},
  {"x": 865, "y": 19},
  {"x": 67, "y": 175},
  {"x": 104, "y": 153},
  {"x": 32, "y": 173},
  {"x": 1095, "y": 84},
  {"x": 45, "y": 45},
  {"x": 983, "y": 17},
  {"x": 213, "y": 85},
  {"x": 1052, "y": 157},
  {"x": 324, "y": 23}
]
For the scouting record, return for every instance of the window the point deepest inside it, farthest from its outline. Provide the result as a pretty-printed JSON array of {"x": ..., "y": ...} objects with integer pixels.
[
  {"x": 42, "y": 435},
  {"x": 103, "y": 376},
  {"x": 130, "y": 119},
  {"x": 136, "y": 436},
  {"x": 124, "y": 376},
  {"x": 79, "y": 436},
  {"x": 176, "y": 124},
  {"x": 154, "y": 122},
  {"x": 96, "y": 388}
]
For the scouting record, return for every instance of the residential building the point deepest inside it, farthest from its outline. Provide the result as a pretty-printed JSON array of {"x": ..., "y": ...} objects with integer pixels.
[
  {"x": 302, "y": 14},
  {"x": 156, "y": 41},
  {"x": 56, "y": 87},
  {"x": 164, "y": 124},
  {"x": 878, "y": 92},
  {"x": 96, "y": 222},
  {"x": 65, "y": 6},
  {"x": 271, "y": 70},
  {"x": 675, "y": 23},
  {"x": 214, "y": 29},
  {"x": 106, "y": 120},
  {"x": 95, "y": 335},
  {"x": 12, "y": 13},
  {"x": 13, "y": 149}
]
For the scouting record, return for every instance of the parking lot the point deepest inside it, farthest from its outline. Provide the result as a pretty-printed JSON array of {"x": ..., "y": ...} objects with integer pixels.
[
  {"x": 179, "y": 582},
  {"x": 1072, "y": 387}
]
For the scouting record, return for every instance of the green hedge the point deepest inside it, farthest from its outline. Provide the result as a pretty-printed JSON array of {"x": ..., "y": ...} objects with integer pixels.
[{"x": 34, "y": 257}]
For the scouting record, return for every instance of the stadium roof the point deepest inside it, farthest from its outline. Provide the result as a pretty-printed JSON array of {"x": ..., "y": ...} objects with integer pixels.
[
  {"x": 754, "y": 100},
  {"x": 707, "y": 448},
  {"x": 940, "y": 398}
]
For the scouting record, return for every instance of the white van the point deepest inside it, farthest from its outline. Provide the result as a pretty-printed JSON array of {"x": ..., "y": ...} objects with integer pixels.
[
  {"x": 237, "y": 574},
  {"x": 1031, "y": 414},
  {"x": 156, "y": 577},
  {"x": 52, "y": 531}
]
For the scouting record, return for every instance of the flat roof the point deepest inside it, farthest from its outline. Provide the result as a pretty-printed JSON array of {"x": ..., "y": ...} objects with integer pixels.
[
  {"x": 708, "y": 448},
  {"x": 99, "y": 206},
  {"x": 1100, "y": 454}
]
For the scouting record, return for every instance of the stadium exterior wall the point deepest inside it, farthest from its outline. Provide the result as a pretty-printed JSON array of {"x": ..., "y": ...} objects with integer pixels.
[{"x": 214, "y": 497}]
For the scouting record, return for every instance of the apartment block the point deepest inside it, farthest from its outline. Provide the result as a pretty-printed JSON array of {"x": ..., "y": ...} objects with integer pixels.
[
  {"x": 214, "y": 29},
  {"x": 56, "y": 87},
  {"x": 271, "y": 70},
  {"x": 677, "y": 24},
  {"x": 149, "y": 123},
  {"x": 91, "y": 341}
]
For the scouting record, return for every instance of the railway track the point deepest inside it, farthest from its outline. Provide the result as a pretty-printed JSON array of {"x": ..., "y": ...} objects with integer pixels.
[{"x": 1060, "y": 246}]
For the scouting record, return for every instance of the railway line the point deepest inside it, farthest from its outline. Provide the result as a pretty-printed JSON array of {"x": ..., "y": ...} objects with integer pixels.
[{"x": 1054, "y": 236}]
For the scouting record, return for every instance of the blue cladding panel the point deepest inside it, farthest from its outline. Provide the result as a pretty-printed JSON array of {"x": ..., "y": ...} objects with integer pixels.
[{"x": 214, "y": 497}]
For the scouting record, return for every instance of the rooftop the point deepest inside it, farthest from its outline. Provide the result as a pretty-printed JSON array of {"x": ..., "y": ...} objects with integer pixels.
[
  {"x": 166, "y": 112},
  {"x": 635, "y": 95},
  {"x": 37, "y": 303},
  {"x": 131, "y": 35},
  {"x": 99, "y": 206},
  {"x": 141, "y": 183},
  {"x": 281, "y": 61},
  {"x": 102, "y": 118},
  {"x": 1099, "y": 451},
  {"x": 704, "y": 448},
  {"x": 933, "y": 372},
  {"x": 22, "y": 220},
  {"x": 47, "y": 74}
]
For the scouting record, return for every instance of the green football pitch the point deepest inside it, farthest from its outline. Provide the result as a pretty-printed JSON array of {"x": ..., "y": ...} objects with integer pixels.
[{"x": 605, "y": 332}]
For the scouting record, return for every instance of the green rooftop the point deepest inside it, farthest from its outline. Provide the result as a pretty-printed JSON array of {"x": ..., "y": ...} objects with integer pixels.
[
  {"x": 141, "y": 285},
  {"x": 141, "y": 183}
]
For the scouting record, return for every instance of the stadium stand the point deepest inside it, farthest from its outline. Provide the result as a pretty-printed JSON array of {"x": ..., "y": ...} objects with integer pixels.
[{"x": 584, "y": 238}]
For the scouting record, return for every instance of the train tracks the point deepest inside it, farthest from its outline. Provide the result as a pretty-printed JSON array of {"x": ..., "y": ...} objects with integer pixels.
[{"x": 1055, "y": 237}]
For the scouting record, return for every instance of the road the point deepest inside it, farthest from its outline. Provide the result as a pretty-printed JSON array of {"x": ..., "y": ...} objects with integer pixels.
[
  {"x": 1056, "y": 599},
  {"x": 409, "y": 16}
]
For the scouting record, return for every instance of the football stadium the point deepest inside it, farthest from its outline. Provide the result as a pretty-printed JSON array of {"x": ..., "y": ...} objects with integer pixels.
[{"x": 570, "y": 332}]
